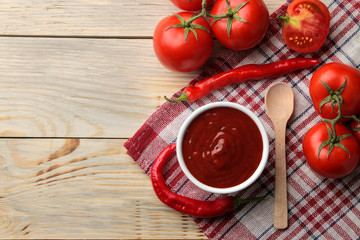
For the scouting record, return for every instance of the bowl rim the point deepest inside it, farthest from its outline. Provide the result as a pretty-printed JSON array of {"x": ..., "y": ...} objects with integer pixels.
[{"x": 254, "y": 176}]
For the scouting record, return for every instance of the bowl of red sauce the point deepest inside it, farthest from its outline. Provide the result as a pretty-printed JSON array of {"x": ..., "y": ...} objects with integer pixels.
[{"x": 222, "y": 147}]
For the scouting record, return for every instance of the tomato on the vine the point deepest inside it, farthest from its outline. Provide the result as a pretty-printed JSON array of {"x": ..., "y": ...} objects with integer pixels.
[
  {"x": 181, "y": 44},
  {"x": 239, "y": 24},
  {"x": 190, "y": 5},
  {"x": 329, "y": 155},
  {"x": 333, "y": 83},
  {"x": 306, "y": 25}
]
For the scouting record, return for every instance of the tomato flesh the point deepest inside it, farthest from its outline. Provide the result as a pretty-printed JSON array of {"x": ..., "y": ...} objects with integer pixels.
[{"x": 307, "y": 25}]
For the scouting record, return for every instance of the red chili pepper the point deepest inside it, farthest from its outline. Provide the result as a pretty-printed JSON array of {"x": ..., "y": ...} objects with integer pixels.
[
  {"x": 186, "y": 205},
  {"x": 245, "y": 73}
]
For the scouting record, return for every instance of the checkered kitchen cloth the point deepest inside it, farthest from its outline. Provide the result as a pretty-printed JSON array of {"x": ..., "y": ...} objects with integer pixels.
[{"x": 319, "y": 208}]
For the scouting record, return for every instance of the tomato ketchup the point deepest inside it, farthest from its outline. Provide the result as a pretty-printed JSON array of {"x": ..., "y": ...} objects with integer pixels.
[{"x": 222, "y": 147}]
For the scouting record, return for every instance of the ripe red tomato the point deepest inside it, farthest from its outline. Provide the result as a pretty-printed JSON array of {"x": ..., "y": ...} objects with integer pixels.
[
  {"x": 339, "y": 163},
  {"x": 248, "y": 24},
  {"x": 178, "y": 53},
  {"x": 306, "y": 25},
  {"x": 355, "y": 129},
  {"x": 190, "y": 5},
  {"x": 335, "y": 75}
]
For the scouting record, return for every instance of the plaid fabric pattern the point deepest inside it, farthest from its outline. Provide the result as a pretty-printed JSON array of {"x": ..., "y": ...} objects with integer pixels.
[{"x": 318, "y": 208}]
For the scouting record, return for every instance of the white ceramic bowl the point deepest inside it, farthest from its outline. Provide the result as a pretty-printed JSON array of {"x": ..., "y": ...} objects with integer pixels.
[{"x": 260, "y": 167}]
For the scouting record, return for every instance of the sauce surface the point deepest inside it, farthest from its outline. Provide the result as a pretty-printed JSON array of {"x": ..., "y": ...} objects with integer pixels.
[{"x": 222, "y": 147}]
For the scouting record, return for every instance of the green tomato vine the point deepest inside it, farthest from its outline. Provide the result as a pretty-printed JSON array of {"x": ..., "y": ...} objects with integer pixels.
[
  {"x": 335, "y": 98},
  {"x": 189, "y": 26}
]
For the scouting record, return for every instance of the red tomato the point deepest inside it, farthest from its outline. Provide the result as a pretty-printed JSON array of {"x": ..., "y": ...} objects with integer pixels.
[
  {"x": 190, "y": 5},
  {"x": 248, "y": 24},
  {"x": 306, "y": 25},
  {"x": 180, "y": 54},
  {"x": 334, "y": 75},
  {"x": 355, "y": 129},
  {"x": 339, "y": 163}
]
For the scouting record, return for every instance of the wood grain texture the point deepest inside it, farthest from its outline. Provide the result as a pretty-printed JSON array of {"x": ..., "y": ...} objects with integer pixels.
[
  {"x": 279, "y": 102},
  {"x": 76, "y": 188},
  {"x": 111, "y": 18},
  {"x": 81, "y": 87}
]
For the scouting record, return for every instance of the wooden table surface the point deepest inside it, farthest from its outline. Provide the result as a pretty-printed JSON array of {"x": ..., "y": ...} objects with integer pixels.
[{"x": 78, "y": 78}]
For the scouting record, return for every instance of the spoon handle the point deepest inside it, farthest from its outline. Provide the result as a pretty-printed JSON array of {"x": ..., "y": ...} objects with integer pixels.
[{"x": 280, "y": 205}]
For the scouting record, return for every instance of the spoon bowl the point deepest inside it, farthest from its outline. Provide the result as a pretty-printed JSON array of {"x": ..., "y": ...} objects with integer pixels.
[{"x": 279, "y": 104}]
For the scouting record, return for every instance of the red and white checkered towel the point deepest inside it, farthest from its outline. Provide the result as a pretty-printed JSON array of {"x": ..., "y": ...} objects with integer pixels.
[{"x": 319, "y": 208}]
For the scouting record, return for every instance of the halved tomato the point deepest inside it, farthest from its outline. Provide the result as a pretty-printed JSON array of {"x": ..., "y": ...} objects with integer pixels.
[{"x": 306, "y": 25}]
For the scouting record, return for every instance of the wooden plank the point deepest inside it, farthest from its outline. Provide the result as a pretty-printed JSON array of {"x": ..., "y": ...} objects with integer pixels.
[
  {"x": 112, "y": 18},
  {"x": 56, "y": 87},
  {"x": 71, "y": 188}
]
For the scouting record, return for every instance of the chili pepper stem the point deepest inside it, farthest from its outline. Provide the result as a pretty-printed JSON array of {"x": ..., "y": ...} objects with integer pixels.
[
  {"x": 183, "y": 97},
  {"x": 237, "y": 202}
]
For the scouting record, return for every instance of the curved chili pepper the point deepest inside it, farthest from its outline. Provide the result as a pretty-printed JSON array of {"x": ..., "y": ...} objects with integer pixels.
[
  {"x": 186, "y": 205},
  {"x": 245, "y": 73}
]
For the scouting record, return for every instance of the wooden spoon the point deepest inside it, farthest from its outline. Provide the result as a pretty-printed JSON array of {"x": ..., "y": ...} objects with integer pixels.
[{"x": 279, "y": 103}]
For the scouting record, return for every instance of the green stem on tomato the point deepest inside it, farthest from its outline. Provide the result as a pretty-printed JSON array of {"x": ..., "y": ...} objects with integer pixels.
[
  {"x": 334, "y": 96},
  {"x": 334, "y": 140},
  {"x": 284, "y": 20},
  {"x": 201, "y": 14},
  {"x": 353, "y": 117},
  {"x": 338, "y": 117},
  {"x": 231, "y": 15},
  {"x": 203, "y": 8},
  {"x": 188, "y": 25}
]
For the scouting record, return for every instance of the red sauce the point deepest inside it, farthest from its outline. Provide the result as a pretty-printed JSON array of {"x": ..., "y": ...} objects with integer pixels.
[{"x": 222, "y": 147}]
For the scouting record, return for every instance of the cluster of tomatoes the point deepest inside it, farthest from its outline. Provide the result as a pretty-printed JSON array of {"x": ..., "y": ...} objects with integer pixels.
[
  {"x": 184, "y": 41},
  {"x": 332, "y": 147}
]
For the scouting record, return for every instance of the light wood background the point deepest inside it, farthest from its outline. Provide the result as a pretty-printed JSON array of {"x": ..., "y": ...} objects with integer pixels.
[{"x": 77, "y": 78}]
